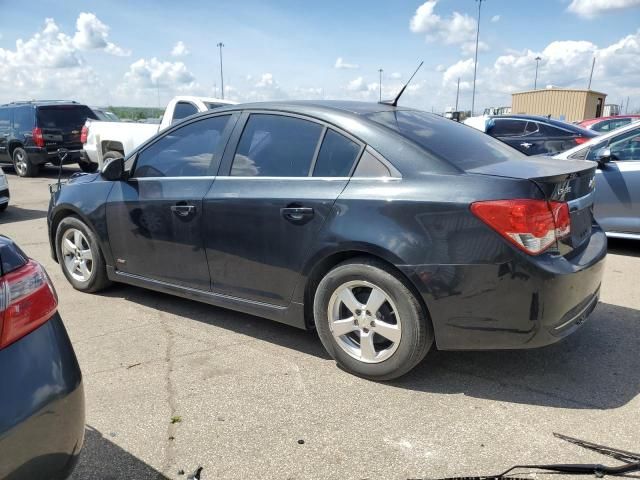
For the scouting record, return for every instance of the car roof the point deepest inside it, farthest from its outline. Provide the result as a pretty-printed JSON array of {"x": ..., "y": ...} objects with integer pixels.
[
  {"x": 590, "y": 121},
  {"x": 550, "y": 121},
  {"x": 599, "y": 139},
  {"x": 39, "y": 103},
  {"x": 313, "y": 107}
]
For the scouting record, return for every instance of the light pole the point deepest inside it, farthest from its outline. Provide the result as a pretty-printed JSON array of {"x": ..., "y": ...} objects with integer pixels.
[
  {"x": 535, "y": 82},
  {"x": 220, "y": 45},
  {"x": 475, "y": 64},
  {"x": 380, "y": 84}
]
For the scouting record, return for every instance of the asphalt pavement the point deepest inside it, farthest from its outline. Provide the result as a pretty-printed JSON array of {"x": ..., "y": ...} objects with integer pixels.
[{"x": 172, "y": 385}]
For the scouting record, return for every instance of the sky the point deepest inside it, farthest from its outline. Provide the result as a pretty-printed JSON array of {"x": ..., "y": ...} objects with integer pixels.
[{"x": 142, "y": 53}]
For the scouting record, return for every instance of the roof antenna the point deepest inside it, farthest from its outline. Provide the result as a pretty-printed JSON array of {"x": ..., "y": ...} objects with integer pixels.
[{"x": 394, "y": 102}]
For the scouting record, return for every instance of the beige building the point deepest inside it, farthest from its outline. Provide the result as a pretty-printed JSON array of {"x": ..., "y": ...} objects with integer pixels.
[{"x": 571, "y": 105}]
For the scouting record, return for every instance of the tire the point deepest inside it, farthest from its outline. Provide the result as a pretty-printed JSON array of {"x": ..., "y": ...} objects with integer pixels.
[
  {"x": 4, "y": 206},
  {"x": 88, "y": 167},
  {"x": 23, "y": 165},
  {"x": 399, "y": 310},
  {"x": 111, "y": 154},
  {"x": 96, "y": 279}
]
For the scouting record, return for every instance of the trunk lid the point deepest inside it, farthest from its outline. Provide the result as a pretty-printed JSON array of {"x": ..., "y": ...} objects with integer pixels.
[
  {"x": 570, "y": 181},
  {"x": 61, "y": 125}
]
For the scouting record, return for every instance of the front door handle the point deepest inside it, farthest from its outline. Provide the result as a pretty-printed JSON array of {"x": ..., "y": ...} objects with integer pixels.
[
  {"x": 183, "y": 210},
  {"x": 297, "y": 214},
  {"x": 526, "y": 145}
]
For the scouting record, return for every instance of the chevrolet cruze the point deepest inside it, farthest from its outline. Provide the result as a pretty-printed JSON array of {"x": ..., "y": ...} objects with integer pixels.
[{"x": 386, "y": 229}]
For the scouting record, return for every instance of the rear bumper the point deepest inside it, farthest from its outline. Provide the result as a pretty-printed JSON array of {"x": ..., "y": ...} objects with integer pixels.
[
  {"x": 42, "y": 405},
  {"x": 4, "y": 196},
  {"x": 39, "y": 156},
  {"x": 525, "y": 303}
]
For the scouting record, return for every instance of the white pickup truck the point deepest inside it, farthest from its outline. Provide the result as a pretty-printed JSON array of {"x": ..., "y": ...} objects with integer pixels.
[{"x": 104, "y": 140}]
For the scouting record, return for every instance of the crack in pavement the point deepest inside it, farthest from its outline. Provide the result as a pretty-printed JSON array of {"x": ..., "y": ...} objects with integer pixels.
[{"x": 172, "y": 427}]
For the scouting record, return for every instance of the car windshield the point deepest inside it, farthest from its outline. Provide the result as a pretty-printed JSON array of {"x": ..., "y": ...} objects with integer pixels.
[
  {"x": 64, "y": 116},
  {"x": 441, "y": 137}
]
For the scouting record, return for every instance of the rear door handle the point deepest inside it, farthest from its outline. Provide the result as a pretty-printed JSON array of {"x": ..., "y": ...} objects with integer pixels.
[
  {"x": 297, "y": 214},
  {"x": 183, "y": 210}
]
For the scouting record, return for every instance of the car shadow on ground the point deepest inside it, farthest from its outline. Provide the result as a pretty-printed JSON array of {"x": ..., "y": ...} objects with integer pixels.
[
  {"x": 595, "y": 368},
  {"x": 48, "y": 171},
  {"x": 14, "y": 214},
  {"x": 103, "y": 459},
  {"x": 620, "y": 246}
]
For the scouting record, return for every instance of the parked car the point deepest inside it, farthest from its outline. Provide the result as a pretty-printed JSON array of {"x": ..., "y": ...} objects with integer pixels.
[
  {"x": 4, "y": 191},
  {"x": 113, "y": 139},
  {"x": 534, "y": 135},
  {"x": 32, "y": 132},
  {"x": 42, "y": 399},
  {"x": 384, "y": 228},
  {"x": 105, "y": 115},
  {"x": 617, "y": 194},
  {"x": 607, "y": 124}
]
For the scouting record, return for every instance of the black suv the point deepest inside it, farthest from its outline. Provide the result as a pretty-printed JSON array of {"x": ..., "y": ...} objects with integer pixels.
[
  {"x": 534, "y": 135},
  {"x": 32, "y": 132}
]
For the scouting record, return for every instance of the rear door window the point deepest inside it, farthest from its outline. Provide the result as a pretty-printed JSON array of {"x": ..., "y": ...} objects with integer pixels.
[
  {"x": 337, "y": 156},
  {"x": 64, "y": 117},
  {"x": 5, "y": 119},
  {"x": 507, "y": 128},
  {"x": 276, "y": 146},
  {"x": 551, "y": 131},
  {"x": 23, "y": 119}
]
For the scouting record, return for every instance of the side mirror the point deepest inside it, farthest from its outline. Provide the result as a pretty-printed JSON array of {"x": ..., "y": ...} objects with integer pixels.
[
  {"x": 113, "y": 169},
  {"x": 603, "y": 156}
]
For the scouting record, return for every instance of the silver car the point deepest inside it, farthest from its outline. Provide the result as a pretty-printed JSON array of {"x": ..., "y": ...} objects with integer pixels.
[
  {"x": 617, "y": 191},
  {"x": 4, "y": 191}
]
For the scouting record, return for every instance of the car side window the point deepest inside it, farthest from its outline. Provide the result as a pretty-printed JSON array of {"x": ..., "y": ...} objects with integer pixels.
[
  {"x": 23, "y": 119},
  {"x": 602, "y": 126},
  {"x": 551, "y": 131},
  {"x": 337, "y": 156},
  {"x": 183, "y": 110},
  {"x": 626, "y": 146},
  {"x": 531, "y": 128},
  {"x": 276, "y": 146},
  {"x": 5, "y": 119},
  {"x": 507, "y": 128},
  {"x": 184, "y": 152},
  {"x": 369, "y": 166}
]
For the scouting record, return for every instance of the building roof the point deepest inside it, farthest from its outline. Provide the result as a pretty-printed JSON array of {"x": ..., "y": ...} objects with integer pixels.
[{"x": 555, "y": 89}]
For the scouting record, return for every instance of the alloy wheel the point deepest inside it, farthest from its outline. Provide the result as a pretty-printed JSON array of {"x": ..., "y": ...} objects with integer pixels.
[
  {"x": 77, "y": 256},
  {"x": 20, "y": 163},
  {"x": 364, "y": 321}
]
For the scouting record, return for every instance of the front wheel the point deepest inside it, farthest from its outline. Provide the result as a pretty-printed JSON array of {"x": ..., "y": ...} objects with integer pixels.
[
  {"x": 80, "y": 256},
  {"x": 23, "y": 165},
  {"x": 369, "y": 321}
]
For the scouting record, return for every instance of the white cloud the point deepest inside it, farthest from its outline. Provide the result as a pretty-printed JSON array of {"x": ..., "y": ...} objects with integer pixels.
[
  {"x": 92, "y": 34},
  {"x": 266, "y": 80},
  {"x": 592, "y": 8},
  {"x": 458, "y": 29},
  {"x": 155, "y": 73},
  {"x": 469, "y": 48},
  {"x": 341, "y": 64},
  {"x": 396, "y": 75},
  {"x": 495, "y": 18},
  {"x": 463, "y": 70},
  {"x": 179, "y": 50},
  {"x": 357, "y": 85}
]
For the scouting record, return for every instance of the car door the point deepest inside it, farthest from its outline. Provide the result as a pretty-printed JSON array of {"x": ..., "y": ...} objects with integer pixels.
[
  {"x": 155, "y": 217},
  {"x": 512, "y": 132},
  {"x": 5, "y": 133},
  {"x": 617, "y": 204},
  {"x": 283, "y": 176}
]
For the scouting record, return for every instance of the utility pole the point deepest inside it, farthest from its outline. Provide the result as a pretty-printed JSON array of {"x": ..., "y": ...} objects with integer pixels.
[
  {"x": 626, "y": 110},
  {"x": 593, "y": 64},
  {"x": 475, "y": 64},
  {"x": 535, "y": 82},
  {"x": 220, "y": 45},
  {"x": 457, "y": 94},
  {"x": 380, "y": 72}
]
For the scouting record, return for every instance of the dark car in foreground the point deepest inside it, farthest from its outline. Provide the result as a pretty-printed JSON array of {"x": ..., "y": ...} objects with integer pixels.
[
  {"x": 32, "y": 132},
  {"x": 535, "y": 135},
  {"x": 386, "y": 229},
  {"x": 41, "y": 393}
]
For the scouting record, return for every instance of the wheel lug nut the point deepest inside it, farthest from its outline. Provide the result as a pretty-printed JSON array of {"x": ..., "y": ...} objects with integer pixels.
[
  {"x": 372, "y": 324},
  {"x": 358, "y": 312},
  {"x": 368, "y": 313}
]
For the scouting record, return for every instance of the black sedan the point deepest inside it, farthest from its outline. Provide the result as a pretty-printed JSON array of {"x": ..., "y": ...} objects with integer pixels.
[
  {"x": 386, "y": 229},
  {"x": 534, "y": 135},
  {"x": 41, "y": 394}
]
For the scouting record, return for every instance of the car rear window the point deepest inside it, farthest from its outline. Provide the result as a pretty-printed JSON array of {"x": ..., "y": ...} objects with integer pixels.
[
  {"x": 64, "y": 117},
  {"x": 461, "y": 145}
]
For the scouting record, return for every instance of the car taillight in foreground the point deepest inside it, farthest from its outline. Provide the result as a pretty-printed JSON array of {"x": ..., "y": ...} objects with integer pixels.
[
  {"x": 531, "y": 225},
  {"x": 84, "y": 133},
  {"x": 27, "y": 300},
  {"x": 38, "y": 139},
  {"x": 581, "y": 140}
]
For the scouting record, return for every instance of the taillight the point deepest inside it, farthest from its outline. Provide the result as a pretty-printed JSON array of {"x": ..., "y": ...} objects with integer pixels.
[
  {"x": 531, "y": 225},
  {"x": 581, "y": 140},
  {"x": 27, "y": 300},
  {"x": 38, "y": 139},
  {"x": 84, "y": 133}
]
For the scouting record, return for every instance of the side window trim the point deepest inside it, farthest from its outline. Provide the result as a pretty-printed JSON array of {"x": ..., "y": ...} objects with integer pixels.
[
  {"x": 224, "y": 140},
  {"x": 312, "y": 167}
]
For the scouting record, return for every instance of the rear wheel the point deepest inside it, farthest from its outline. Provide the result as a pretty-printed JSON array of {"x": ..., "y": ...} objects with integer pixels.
[
  {"x": 80, "y": 256},
  {"x": 23, "y": 165},
  {"x": 369, "y": 321}
]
